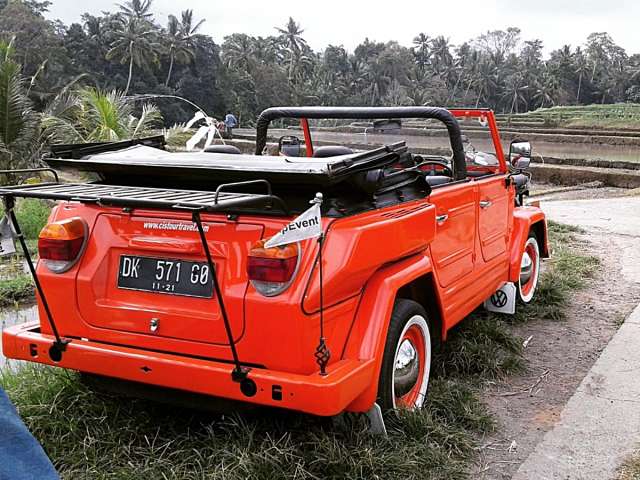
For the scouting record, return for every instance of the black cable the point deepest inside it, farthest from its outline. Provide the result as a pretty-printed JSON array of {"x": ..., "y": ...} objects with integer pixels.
[{"x": 239, "y": 372}]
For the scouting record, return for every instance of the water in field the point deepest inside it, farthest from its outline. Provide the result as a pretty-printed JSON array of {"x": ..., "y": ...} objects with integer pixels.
[
  {"x": 13, "y": 316},
  {"x": 546, "y": 149}
]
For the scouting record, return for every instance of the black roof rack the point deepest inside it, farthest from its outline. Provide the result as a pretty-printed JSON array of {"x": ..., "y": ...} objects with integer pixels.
[{"x": 145, "y": 197}]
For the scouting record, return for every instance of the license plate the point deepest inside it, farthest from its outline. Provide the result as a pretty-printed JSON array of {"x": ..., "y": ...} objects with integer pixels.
[{"x": 165, "y": 275}]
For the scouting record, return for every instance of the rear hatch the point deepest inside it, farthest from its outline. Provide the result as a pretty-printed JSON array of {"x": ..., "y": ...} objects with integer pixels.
[{"x": 148, "y": 274}]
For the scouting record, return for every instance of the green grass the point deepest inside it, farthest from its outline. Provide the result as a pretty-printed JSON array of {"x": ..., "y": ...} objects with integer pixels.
[
  {"x": 95, "y": 435},
  {"x": 609, "y": 116},
  {"x": 16, "y": 290},
  {"x": 32, "y": 215},
  {"x": 89, "y": 434}
]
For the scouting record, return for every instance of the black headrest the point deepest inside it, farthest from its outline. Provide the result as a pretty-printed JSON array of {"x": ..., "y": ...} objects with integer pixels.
[
  {"x": 222, "y": 149},
  {"x": 331, "y": 151}
]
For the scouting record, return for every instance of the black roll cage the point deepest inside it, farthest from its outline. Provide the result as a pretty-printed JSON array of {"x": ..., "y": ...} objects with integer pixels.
[{"x": 438, "y": 113}]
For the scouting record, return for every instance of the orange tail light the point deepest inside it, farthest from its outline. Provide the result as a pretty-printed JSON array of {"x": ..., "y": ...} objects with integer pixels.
[
  {"x": 271, "y": 270},
  {"x": 60, "y": 244}
]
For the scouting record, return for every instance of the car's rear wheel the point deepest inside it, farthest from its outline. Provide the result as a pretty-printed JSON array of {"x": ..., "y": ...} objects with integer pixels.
[
  {"x": 406, "y": 363},
  {"x": 529, "y": 269}
]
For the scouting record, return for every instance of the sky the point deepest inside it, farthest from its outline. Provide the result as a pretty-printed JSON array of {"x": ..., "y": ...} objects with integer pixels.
[{"x": 347, "y": 23}]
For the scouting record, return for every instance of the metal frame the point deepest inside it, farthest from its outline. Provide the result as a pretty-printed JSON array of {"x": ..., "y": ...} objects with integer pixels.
[{"x": 148, "y": 197}]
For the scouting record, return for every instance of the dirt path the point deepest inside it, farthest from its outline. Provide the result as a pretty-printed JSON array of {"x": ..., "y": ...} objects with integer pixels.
[{"x": 560, "y": 354}]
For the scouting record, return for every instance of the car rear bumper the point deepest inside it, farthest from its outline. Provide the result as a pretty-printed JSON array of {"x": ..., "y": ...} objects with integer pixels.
[{"x": 315, "y": 394}]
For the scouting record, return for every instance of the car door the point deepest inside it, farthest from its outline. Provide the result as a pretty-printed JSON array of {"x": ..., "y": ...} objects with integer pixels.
[
  {"x": 493, "y": 216},
  {"x": 452, "y": 250}
]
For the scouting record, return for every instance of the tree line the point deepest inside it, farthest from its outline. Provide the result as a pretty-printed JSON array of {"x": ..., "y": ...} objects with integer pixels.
[{"x": 132, "y": 51}]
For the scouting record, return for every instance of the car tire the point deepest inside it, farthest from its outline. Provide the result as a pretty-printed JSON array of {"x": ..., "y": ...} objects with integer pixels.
[
  {"x": 529, "y": 269},
  {"x": 406, "y": 363}
]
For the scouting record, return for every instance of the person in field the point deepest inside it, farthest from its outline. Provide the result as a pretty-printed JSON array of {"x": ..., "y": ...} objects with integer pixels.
[{"x": 230, "y": 122}]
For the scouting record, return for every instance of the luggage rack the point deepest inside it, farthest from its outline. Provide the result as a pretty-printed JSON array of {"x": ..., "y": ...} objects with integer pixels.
[
  {"x": 194, "y": 201},
  {"x": 148, "y": 197}
]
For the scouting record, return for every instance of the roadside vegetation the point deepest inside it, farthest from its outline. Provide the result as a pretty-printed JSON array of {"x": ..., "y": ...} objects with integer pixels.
[
  {"x": 16, "y": 285},
  {"x": 618, "y": 116},
  {"x": 92, "y": 434}
]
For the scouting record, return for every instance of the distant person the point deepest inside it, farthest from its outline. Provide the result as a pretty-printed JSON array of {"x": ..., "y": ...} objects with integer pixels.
[{"x": 230, "y": 122}]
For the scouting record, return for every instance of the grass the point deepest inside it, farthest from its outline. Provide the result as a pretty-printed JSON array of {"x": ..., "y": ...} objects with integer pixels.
[
  {"x": 96, "y": 435},
  {"x": 89, "y": 434},
  {"x": 618, "y": 116},
  {"x": 32, "y": 215},
  {"x": 16, "y": 290}
]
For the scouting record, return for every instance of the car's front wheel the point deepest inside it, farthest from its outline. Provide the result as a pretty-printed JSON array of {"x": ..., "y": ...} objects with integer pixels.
[
  {"x": 406, "y": 363},
  {"x": 529, "y": 269}
]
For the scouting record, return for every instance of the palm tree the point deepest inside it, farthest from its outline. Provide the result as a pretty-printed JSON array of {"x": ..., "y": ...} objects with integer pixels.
[
  {"x": 92, "y": 115},
  {"x": 546, "y": 90},
  {"x": 291, "y": 35},
  {"x": 180, "y": 40},
  {"x": 137, "y": 9},
  {"x": 486, "y": 80},
  {"x": 422, "y": 51},
  {"x": 442, "y": 58},
  {"x": 238, "y": 52},
  {"x": 581, "y": 69},
  {"x": 19, "y": 124},
  {"x": 135, "y": 43},
  {"x": 189, "y": 30}
]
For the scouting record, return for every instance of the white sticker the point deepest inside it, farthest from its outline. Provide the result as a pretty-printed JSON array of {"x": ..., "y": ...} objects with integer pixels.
[
  {"x": 7, "y": 244},
  {"x": 503, "y": 301}
]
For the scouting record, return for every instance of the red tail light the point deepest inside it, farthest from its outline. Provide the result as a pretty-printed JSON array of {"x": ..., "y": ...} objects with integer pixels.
[
  {"x": 60, "y": 244},
  {"x": 271, "y": 270}
]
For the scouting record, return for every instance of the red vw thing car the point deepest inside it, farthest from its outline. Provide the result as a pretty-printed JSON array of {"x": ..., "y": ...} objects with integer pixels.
[{"x": 158, "y": 273}]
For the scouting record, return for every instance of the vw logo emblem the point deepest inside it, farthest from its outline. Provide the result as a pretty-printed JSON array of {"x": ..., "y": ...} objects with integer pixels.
[{"x": 499, "y": 299}]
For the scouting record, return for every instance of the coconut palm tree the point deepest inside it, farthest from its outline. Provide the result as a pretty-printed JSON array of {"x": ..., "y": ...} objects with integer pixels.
[
  {"x": 581, "y": 69},
  {"x": 137, "y": 9},
  {"x": 135, "y": 42},
  {"x": 19, "y": 124},
  {"x": 440, "y": 50},
  {"x": 189, "y": 30},
  {"x": 238, "y": 52},
  {"x": 179, "y": 38},
  {"x": 291, "y": 35},
  {"x": 422, "y": 51}
]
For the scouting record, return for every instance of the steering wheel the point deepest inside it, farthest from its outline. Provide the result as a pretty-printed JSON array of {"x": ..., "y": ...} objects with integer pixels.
[{"x": 447, "y": 170}]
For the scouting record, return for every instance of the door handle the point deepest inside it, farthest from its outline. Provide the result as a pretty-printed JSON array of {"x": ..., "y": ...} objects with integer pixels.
[
  {"x": 442, "y": 218},
  {"x": 485, "y": 203}
]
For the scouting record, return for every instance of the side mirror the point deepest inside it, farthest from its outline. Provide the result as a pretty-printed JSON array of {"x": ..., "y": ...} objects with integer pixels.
[
  {"x": 520, "y": 154},
  {"x": 289, "y": 146}
]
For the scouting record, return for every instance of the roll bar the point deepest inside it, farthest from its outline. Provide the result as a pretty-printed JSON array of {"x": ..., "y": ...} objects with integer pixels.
[{"x": 442, "y": 114}]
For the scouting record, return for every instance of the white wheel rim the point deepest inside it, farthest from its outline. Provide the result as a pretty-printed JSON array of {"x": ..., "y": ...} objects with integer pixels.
[
  {"x": 403, "y": 351},
  {"x": 526, "y": 258}
]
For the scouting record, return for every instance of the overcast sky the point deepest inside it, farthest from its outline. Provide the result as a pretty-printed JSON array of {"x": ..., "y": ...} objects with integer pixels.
[{"x": 348, "y": 22}]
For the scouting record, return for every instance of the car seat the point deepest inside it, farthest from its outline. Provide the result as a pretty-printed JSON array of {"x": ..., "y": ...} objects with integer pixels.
[{"x": 331, "y": 151}]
